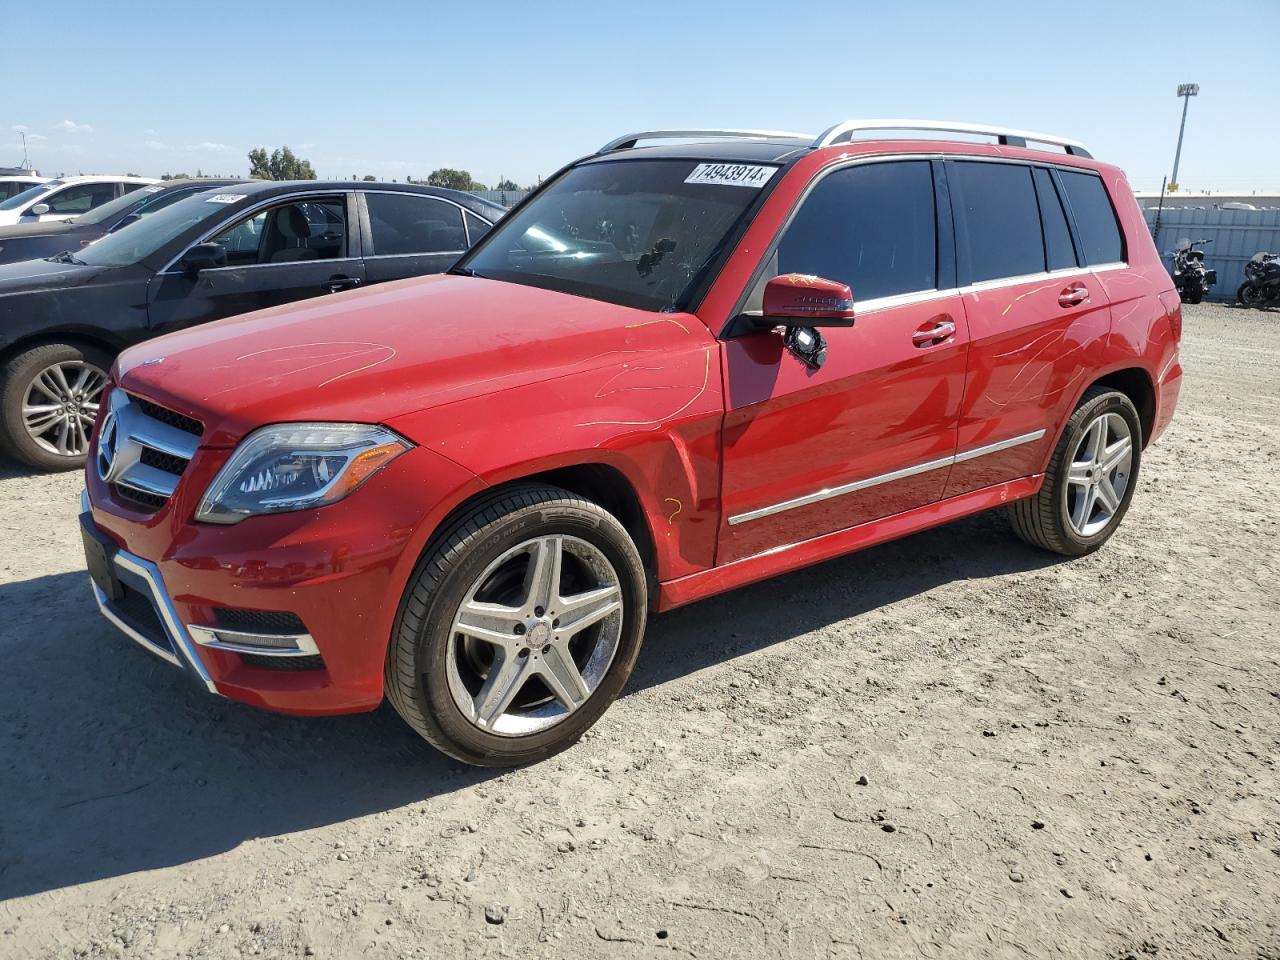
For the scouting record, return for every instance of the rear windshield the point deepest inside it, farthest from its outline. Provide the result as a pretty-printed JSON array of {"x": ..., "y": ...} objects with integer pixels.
[{"x": 641, "y": 233}]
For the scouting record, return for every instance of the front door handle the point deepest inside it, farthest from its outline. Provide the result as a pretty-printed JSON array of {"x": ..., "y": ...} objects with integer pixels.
[
  {"x": 934, "y": 331},
  {"x": 1073, "y": 296},
  {"x": 340, "y": 282}
]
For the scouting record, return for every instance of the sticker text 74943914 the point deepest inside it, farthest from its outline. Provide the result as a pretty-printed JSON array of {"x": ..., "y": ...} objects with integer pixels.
[{"x": 731, "y": 174}]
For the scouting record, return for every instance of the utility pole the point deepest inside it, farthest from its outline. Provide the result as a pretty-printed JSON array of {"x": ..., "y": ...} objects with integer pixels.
[{"x": 1186, "y": 91}]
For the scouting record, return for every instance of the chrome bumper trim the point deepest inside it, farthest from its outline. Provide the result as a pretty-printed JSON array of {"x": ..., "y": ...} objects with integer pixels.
[{"x": 261, "y": 644}]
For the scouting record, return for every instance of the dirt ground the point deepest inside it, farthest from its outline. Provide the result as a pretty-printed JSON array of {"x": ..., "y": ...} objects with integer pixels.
[{"x": 951, "y": 746}]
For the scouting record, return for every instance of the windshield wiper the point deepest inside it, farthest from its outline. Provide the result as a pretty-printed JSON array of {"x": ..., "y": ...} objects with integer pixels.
[
  {"x": 66, "y": 256},
  {"x": 464, "y": 272}
]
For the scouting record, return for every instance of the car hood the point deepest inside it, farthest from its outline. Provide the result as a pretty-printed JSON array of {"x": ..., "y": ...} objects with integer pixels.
[
  {"x": 23, "y": 230},
  {"x": 373, "y": 355},
  {"x": 27, "y": 276}
]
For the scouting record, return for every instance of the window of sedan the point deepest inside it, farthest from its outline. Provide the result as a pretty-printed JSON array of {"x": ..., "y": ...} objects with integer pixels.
[
  {"x": 405, "y": 224},
  {"x": 80, "y": 198},
  {"x": 288, "y": 233}
]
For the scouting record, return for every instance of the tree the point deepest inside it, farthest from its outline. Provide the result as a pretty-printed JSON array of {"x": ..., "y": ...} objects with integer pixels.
[
  {"x": 370, "y": 178},
  {"x": 505, "y": 184},
  {"x": 453, "y": 179},
  {"x": 283, "y": 164}
]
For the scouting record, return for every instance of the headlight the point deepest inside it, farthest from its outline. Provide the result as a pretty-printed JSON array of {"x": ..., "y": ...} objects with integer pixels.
[{"x": 297, "y": 466}]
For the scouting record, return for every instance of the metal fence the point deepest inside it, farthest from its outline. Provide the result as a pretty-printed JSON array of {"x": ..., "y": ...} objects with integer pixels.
[
  {"x": 1236, "y": 234},
  {"x": 505, "y": 198}
]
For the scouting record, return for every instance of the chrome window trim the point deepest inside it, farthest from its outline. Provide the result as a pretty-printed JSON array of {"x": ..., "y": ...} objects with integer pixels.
[
  {"x": 290, "y": 263},
  {"x": 428, "y": 253},
  {"x": 846, "y": 488},
  {"x": 304, "y": 645}
]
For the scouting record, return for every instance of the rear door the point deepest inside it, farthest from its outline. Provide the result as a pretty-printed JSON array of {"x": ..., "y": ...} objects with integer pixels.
[
  {"x": 1038, "y": 319},
  {"x": 871, "y": 432},
  {"x": 277, "y": 253},
  {"x": 410, "y": 235}
]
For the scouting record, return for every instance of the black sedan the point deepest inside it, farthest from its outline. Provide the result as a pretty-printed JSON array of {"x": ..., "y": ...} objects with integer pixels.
[
  {"x": 29, "y": 241},
  {"x": 213, "y": 254}
]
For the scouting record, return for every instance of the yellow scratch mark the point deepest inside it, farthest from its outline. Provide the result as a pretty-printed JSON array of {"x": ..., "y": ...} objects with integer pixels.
[
  {"x": 1023, "y": 296},
  {"x": 679, "y": 507},
  {"x": 646, "y": 323},
  {"x": 706, "y": 378}
]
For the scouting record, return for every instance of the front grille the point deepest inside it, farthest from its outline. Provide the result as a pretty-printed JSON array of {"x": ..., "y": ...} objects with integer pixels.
[
  {"x": 258, "y": 621},
  {"x": 144, "y": 448},
  {"x": 171, "y": 417},
  {"x": 282, "y": 663},
  {"x": 135, "y": 608}
]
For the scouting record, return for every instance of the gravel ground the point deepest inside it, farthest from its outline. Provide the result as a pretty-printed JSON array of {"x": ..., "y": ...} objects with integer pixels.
[{"x": 949, "y": 746}]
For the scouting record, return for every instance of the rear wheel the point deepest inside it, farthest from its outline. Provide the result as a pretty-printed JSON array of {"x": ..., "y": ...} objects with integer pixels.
[
  {"x": 1090, "y": 479},
  {"x": 519, "y": 628},
  {"x": 48, "y": 402}
]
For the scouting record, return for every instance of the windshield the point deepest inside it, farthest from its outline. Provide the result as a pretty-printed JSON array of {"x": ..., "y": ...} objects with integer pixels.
[
  {"x": 117, "y": 207},
  {"x": 140, "y": 240},
  {"x": 640, "y": 233},
  {"x": 26, "y": 196}
]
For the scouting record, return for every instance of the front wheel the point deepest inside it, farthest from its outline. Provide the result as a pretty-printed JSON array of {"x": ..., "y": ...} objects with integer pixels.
[
  {"x": 1090, "y": 479},
  {"x": 1249, "y": 295},
  {"x": 49, "y": 398},
  {"x": 518, "y": 629}
]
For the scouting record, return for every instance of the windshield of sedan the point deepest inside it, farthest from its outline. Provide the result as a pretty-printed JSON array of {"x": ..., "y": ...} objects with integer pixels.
[
  {"x": 641, "y": 233},
  {"x": 140, "y": 240},
  {"x": 26, "y": 196}
]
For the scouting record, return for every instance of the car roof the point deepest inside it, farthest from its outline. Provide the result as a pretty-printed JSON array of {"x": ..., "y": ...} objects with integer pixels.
[
  {"x": 732, "y": 151},
  {"x": 269, "y": 188},
  {"x": 100, "y": 178}
]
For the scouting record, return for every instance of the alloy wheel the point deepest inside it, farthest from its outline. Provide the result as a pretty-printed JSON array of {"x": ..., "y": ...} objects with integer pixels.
[
  {"x": 535, "y": 635},
  {"x": 61, "y": 404},
  {"x": 1099, "y": 474}
]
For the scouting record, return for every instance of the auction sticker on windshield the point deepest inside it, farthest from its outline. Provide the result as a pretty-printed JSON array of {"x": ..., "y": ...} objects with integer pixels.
[{"x": 731, "y": 174}]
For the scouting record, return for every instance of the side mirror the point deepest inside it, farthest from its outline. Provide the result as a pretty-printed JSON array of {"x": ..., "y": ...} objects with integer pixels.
[
  {"x": 125, "y": 221},
  {"x": 801, "y": 300},
  {"x": 204, "y": 256},
  {"x": 39, "y": 210}
]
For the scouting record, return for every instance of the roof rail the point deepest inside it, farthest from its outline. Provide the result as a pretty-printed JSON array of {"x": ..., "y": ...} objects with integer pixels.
[
  {"x": 630, "y": 140},
  {"x": 843, "y": 132}
]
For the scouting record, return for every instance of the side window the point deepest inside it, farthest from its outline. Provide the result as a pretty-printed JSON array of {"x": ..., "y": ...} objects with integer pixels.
[
  {"x": 81, "y": 198},
  {"x": 406, "y": 224},
  {"x": 1002, "y": 235},
  {"x": 476, "y": 228},
  {"x": 1095, "y": 218},
  {"x": 130, "y": 187},
  {"x": 1058, "y": 248},
  {"x": 871, "y": 226},
  {"x": 288, "y": 233}
]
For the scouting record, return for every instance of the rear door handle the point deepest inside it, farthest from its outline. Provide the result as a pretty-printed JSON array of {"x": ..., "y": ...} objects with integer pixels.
[
  {"x": 934, "y": 331},
  {"x": 340, "y": 282},
  {"x": 1073, "y": 296}
]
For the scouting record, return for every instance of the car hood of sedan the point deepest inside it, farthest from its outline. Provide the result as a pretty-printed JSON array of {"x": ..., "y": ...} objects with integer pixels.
[
  {"x": 27, "y": 276},
  {"x": 376, "y": 354}
]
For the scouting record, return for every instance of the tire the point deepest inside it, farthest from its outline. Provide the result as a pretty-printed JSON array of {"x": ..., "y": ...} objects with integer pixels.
[
  {"x": 1195, "y": 296},
  {"x": 436, "y": 675},
  {"x": 1247, "y": 295},
  {"x": 27, "y": 382},
  {"x": 1052, "y": 518}
]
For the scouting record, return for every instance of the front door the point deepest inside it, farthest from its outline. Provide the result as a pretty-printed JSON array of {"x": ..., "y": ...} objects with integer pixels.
[
  {"x": 872, "y": 432},
  {"x": 276, "y": 254}
]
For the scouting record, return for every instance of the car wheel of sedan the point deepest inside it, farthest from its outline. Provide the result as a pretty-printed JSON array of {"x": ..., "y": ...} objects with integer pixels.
[
  {"x": 519, "y": 627},
  {"x": 48, "y": 403},
  {"x": 1090, "y": 479}
]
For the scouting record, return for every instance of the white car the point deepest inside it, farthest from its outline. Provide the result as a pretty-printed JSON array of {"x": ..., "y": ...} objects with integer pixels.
[
  {"x": 11, "y": 186},
  {"x": 65, "y": 198}
]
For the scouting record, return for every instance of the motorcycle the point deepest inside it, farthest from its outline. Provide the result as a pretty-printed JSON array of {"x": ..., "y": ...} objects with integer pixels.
[
  {"x": 1190, "y": 275},
  {"x": 1261, "y": 287}
]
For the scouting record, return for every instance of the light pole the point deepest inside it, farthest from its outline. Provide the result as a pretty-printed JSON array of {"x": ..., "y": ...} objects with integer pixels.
[{"x": 1186, "y": 91}]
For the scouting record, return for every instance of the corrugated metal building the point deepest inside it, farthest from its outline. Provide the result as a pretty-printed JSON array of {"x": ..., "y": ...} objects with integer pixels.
[{"x": 1236, "y": 234}]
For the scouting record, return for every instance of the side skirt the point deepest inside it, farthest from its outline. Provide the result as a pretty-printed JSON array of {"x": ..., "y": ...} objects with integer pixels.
[{"x": 739, "y": 573}]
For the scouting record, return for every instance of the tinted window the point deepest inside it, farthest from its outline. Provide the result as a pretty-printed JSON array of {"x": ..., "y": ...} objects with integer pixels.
[
  {"x": 29, "y": 194},
  {"x": 288, "y": 233},
  {"x": 1095, "y": 218},
  {"x": 642, "y": 233},
  {"x": 404, "y": 224},
  {"x": 1002, "y": 236},
  {"x": 130, "y": 187},
  {"x": 871, "y": 227},
  {"x": 1058, "y": 248},
  {"x": 81, "y": 198},
  {"x": 476, "y": 228}
]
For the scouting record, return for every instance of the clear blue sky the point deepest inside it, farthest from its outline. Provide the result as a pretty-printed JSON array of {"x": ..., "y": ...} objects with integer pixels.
[{"x": 516, "y": 89}]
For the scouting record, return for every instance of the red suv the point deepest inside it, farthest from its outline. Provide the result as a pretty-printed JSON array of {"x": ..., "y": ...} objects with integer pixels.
[{"x": 647, "y": 385}]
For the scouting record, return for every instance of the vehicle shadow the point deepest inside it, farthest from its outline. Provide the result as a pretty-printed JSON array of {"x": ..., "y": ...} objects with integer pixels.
[{"x": 114, "y": 762}]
